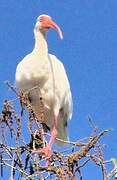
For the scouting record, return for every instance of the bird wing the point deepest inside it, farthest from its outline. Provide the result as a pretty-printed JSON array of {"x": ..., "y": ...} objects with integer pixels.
[
  {"x": 65, "y": 98},
  {"x": 62, "y": 82}
]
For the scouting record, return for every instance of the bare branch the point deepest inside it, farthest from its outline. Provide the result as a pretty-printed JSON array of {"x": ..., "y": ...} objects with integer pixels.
[{"x": 19, "y": 159}]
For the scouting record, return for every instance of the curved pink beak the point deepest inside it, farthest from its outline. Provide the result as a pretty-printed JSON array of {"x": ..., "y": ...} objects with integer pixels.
[{"x": 53, "y": 25}]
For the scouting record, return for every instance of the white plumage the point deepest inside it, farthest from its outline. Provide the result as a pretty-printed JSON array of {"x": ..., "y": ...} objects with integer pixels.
[{"x": 44, "y": 70}]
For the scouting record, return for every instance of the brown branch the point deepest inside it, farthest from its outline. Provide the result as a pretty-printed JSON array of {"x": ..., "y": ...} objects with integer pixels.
[
  {"x": 62, "y": 166},
  {"x": 83, "y": 152}
]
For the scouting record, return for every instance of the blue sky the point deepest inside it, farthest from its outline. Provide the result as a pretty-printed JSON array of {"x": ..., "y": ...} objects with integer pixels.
[{"x": 88, "y": 51}]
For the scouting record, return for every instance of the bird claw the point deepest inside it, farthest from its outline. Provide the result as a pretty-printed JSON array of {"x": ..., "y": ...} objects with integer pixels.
[{"x": 46, "y": 151}]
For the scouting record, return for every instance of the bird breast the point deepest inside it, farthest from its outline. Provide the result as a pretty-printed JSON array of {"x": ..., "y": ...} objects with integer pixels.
[{"x": 32, "y": 71}]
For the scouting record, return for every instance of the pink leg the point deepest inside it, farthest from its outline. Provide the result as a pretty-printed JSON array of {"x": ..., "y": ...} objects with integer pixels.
[
  {"x": 54, "y": 133},
  {"x": 47, "y": 151}
]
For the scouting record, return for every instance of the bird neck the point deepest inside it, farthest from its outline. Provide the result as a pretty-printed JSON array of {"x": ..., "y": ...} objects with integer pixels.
[{"x": 41, "y": 46}]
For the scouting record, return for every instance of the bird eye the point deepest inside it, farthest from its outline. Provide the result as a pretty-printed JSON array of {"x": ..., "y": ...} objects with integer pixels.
[{"x": 47, "y": 27}]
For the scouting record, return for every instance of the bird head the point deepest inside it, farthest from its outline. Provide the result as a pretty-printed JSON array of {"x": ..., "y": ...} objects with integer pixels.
[{"x": 45, "y": 22}]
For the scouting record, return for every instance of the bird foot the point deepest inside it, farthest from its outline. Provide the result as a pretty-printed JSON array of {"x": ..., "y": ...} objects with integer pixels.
[{"x": 46, "y": 151}]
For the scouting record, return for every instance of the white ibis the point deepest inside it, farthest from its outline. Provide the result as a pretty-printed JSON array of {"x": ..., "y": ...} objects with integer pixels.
[{"x": 46, "y": 71}]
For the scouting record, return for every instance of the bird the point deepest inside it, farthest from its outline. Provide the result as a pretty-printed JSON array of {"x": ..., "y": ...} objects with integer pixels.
[{"x": 44, "y": 70}]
